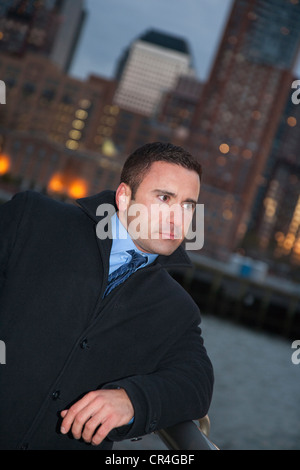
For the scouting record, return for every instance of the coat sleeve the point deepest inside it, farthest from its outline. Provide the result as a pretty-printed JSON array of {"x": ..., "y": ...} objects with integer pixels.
[
  {"x": 179, "y": 390},
  {"x": 11, "y": 214}
]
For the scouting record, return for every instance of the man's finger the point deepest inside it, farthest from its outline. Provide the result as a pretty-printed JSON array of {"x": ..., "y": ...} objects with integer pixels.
[
  {"x": 102, "y": 432},
  {"x": 70, "y": 414},
  {"x": 90, "y": 427},
  {"x": 81, "y": 420}
]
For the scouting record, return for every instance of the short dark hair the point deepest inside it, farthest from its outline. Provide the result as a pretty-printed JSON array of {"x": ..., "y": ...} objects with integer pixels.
[{"x": 139, "y": 162}]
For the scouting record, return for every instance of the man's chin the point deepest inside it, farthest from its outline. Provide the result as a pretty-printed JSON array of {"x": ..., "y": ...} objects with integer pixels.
[{"x": 163, "y": 246}]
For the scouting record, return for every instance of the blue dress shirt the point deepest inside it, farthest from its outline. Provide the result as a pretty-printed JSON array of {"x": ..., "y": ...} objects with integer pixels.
[{"x": 122, "y": 242}]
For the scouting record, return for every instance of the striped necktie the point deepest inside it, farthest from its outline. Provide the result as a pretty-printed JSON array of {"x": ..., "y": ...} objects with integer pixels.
[{"x": 123, "y": 272}]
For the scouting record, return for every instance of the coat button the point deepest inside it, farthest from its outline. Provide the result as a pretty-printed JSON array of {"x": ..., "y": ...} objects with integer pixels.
[
  {"x": 153, "y": 425},
  {"x": 56, "y": 395},
  {"x": 84, "y": 344}
]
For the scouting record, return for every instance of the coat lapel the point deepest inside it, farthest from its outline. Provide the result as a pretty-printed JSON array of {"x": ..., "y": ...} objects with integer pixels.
[{"x": 90, "y": 206}]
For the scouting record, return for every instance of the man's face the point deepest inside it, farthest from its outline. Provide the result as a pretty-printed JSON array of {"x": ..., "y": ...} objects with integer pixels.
[{"x": 159, "y": 216}]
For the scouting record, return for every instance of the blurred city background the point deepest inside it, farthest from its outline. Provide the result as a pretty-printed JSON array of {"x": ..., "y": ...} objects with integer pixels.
[{"x": 84, "y": 83}]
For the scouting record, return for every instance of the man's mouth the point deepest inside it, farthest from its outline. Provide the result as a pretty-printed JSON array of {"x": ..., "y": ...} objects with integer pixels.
[{"x": 169, "y": 235}]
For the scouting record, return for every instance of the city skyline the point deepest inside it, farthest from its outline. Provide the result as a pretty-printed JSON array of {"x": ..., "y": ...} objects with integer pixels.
[{"x": 117, "y": 24}]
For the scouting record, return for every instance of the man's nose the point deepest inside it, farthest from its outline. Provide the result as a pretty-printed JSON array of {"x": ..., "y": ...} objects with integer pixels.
[{"x": 175, "y": 215}]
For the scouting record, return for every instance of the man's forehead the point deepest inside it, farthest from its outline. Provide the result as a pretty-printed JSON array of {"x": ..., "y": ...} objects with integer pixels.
[
  {"x": 167, "y": 171},
  {"x": 173, "y": 179}
]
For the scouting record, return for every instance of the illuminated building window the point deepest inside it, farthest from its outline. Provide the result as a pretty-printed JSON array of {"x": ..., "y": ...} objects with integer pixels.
[
  {"x": 78, "y": 124},
  {"x": 227, "y": 214},
  {"x": 81, "y": 114},
  {"x": 85, "y": 104},
  {"x": 114, "y": 110},
  {"x": 4, "y": 164},
  {"x": 297, "y": 247},
  {"x": 224, "y": 148},
  {"x": 290, "y": 241},
  {"x": 279, "y": 237},
  {"x": 75, "y": 135},
  {"x": 77, "y": 189},
  {"x": 56, "y": 184},
  {"x": 292, "y": 121},
  {"x": 72, "y": 144},
  {"x": 270, "y": 208}
]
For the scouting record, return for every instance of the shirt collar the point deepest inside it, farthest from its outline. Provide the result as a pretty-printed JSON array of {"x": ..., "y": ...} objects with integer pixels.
[
  {"x": 90, "y": 205},
  {"x": 122, "y": 242}
]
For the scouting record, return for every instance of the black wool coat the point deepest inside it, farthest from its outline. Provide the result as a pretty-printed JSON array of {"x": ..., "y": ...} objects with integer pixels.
[{"x": 63, "y": 340}]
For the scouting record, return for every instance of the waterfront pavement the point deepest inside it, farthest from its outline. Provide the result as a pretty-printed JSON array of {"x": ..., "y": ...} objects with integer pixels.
[{"x": 256, "y": 402}]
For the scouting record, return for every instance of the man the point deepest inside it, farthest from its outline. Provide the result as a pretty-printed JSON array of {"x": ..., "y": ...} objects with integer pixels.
[{"x": 92, "y": 360}]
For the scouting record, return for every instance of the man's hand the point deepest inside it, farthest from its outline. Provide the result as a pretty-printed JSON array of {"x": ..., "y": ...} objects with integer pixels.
[{"x": 108, "y": 409}]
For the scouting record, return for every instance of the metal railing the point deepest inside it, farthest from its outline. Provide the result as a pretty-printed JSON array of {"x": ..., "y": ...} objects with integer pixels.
[{"x": 188, "y": 436}]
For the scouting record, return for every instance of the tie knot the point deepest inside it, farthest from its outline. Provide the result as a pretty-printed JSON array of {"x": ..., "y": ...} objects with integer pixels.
[
  {"x": 124, "y": 271},
  {"x": 136, "y": 258}
]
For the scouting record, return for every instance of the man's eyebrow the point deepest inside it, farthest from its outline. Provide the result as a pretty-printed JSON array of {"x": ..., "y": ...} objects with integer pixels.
[
  {"x": 164, "y": 191},
  {"x": 191, "y": 201},
  {"x": 169, "y": 193}
]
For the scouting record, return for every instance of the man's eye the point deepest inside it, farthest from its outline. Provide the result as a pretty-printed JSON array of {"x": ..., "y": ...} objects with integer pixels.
[
  {"x": 164, "y": 198},
  {"x": 188, "y": 206}
]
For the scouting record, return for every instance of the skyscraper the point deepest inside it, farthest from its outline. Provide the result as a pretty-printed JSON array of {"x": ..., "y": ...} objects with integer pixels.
[
  {"x": 72, "y": 14},
  {"x": 239, "y": 111},
  {"x": 48, "y": 27},
  {"x": 150, "y": 66},
  {"x": 178, "y": 104},
  {"x": 275, "y": 226}
]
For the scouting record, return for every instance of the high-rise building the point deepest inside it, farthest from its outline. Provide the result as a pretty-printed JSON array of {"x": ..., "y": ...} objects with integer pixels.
[
  {"x": 239, "y": 112},
  {"x": 47, "y": 27},
  {"x": 45, "y": 101},
  {"x": 72, "y": 14},
  {"x": 148, "y": 68},
  {"x": 54, "y": 133},
  {"x": 178, "y": 105},
  {"x": 274, "y": 231}
]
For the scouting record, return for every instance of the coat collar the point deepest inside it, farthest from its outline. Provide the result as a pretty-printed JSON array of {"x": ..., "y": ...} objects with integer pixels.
[{"x": 90, "y": 204}]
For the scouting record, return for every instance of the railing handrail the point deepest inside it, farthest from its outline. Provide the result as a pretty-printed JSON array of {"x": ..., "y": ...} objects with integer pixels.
[{"x": 185, "y": 436}]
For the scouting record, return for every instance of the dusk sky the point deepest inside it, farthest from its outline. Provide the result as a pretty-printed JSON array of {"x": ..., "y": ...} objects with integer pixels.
[{"x": 112, "y": 25}]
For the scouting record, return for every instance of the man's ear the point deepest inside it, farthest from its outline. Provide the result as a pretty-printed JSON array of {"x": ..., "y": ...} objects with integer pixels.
[{"x": 123, "y": 195}]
